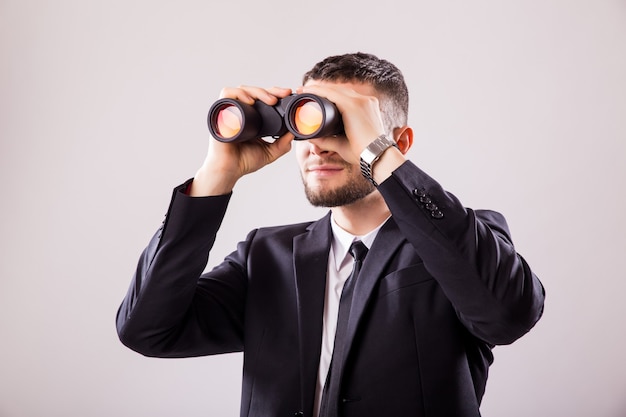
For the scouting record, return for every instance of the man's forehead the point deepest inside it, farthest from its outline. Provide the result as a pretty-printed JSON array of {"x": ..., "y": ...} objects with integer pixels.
[{"x": 359, "y": 87}]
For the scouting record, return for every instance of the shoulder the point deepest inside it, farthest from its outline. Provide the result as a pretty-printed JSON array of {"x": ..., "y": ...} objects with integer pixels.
[
  {"x": 287, "y": 233},
  {"x": 293, "y": 229},
  {"x": 284, "y": 230}
]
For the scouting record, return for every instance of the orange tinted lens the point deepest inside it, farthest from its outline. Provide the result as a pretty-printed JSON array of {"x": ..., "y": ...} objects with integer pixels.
[
  {"x": 229, "y": 121},
  {"x": 308, "y": 117}
]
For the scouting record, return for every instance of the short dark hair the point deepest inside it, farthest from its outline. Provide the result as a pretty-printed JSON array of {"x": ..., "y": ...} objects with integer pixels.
[{"x": 365, "y": 68}]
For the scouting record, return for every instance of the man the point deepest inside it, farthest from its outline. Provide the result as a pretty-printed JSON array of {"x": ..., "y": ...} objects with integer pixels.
[{"x": 440, "y": 286}]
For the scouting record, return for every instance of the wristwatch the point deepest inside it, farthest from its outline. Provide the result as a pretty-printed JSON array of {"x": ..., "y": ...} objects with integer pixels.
[{"x": 372, "y": 153}]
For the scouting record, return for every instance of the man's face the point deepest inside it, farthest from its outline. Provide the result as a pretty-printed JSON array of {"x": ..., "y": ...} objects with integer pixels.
[{"x": 329, "y": 180}]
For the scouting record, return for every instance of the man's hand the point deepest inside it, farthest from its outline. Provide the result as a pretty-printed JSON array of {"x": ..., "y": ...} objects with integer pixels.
[
  {"x": 360, "y": 113},
  {"x": 362, "y": 120},
  {"x": 226, "y": 163}
]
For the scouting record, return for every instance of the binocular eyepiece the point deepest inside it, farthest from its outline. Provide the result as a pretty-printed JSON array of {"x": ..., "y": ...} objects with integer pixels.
[{"x": 305, "y": 115}]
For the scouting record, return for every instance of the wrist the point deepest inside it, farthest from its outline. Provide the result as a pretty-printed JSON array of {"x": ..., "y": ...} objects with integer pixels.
[
  {"x": 389, "y": 161},
  {"x": 372, "y": 156},
  {"x": 211, "y": 182}
]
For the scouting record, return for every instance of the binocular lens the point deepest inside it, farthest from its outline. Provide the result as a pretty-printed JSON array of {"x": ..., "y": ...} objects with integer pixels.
[
  {"x": 228, "y": 121},
  {"x": 305, "y": 115},
  {"x": 308, "y": 117}
]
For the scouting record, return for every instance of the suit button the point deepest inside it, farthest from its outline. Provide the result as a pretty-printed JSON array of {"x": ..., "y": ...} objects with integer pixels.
[
  {"x": 436, "y": 214},
  {"x": 419, "y": 193},
  {"x": 298, "y": 414}
]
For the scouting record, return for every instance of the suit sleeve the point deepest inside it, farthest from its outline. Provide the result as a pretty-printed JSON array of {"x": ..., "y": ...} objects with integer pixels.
[
  {"x": 470, "y": 254},
  {"x": 171, "y": 308}
]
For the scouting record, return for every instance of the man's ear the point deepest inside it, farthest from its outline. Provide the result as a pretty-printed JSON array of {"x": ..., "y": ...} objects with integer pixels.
[{"x": 404, "y": 138}]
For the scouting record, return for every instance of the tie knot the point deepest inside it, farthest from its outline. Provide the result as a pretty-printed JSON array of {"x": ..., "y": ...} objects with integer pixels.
[{"x": 358, "y": 250}]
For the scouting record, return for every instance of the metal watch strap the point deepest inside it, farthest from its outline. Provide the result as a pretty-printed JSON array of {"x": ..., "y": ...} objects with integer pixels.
[{"x": 372, "y": 153}]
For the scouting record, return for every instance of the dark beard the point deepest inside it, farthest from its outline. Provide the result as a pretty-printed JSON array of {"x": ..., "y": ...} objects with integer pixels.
[{"x": 349, "y": 193}]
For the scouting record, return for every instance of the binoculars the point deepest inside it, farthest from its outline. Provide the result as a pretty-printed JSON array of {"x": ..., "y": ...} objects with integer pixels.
[{"x": 305, "y": 115}]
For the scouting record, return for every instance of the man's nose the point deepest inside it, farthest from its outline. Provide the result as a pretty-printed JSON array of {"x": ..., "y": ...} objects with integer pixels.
[{"x": 318, "y": 146}]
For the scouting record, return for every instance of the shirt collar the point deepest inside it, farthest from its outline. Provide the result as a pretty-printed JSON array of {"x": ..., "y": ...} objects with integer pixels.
[{"x": 342, "y": 240}]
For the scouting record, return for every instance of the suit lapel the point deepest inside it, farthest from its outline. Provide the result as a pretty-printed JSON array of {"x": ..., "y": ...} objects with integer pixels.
[
  {"x": 310, "y": 268},
  {"x": 385, "y": 245}
]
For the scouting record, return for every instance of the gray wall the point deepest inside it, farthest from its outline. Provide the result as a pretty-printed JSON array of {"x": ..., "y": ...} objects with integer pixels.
[{"x": 518, "y": 106}]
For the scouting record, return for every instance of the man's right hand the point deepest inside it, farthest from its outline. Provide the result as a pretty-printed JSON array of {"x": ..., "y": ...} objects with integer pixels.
[{"x": 225, "y": 163}]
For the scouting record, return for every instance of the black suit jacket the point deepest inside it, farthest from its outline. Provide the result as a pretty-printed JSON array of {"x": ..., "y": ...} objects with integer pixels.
[{"x": 441, "y": 285}]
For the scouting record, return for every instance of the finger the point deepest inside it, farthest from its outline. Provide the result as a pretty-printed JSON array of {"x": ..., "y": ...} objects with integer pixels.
[
  {"x": 249, "y": 94},
  {"x": 282, "y": 145},
  {"x": 259, "y": 93},
  {"x": 276, "y": 149},
  {"x": 236, "y": 94},
  {"x": 280, "y": 91},
  {"x": 334, "y": 93}
]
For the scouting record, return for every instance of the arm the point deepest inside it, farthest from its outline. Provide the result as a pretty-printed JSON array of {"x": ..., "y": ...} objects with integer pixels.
[
  {"x": 170, "y": 308},
  {"x": 164, "y": 312},
  {"x": 469, "y": 253}
]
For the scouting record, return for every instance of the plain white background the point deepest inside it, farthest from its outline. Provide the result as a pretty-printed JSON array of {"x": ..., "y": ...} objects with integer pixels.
[{"x": 517, "y": 106}]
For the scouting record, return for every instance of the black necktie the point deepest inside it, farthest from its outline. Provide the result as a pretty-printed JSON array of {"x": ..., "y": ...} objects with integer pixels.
[{"x": 331, "y": 394}]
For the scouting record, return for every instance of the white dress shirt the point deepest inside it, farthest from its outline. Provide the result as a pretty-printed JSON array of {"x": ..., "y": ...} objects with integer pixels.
[{"x": 339, "y": 268}]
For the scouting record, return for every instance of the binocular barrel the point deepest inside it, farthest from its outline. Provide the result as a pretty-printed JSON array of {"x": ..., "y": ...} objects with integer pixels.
[{"x": 305, "y": 115}]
